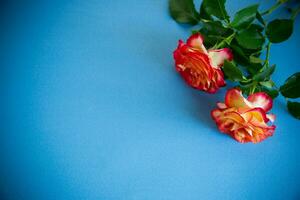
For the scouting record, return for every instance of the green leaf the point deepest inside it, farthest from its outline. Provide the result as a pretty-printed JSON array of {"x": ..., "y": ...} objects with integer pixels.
[
  {"x": 294, "y": 109},
  {"x": 248, "y": 88},
  {"x": 250, "y": 39},
  {"x": 260, "y": 18},
  {"x": 268, "y": 87},
  {"x": 254, "y": 59},
  {"x": 244, "y": 17},
  {"x": 209, "y": 40},
  {"x": 272, "y": 92},
  {"x": 256, "y": 27},
  {"x": 204, "y": 14},
  {"x": 216, "y": 8},
  {"x": 254, "y": 68},
  {"x": 268, "y": 84},
  {"x": 265, "y": 74},
  {"x": 245, "y": 88},
  {"x": 195, "y": 31},
  {"x": 213, "y": 33},
  {"x": 183, "y": 11},
  {"x": 291, "y": 87},
  {"x": 232, "y": 72},
  {"x": 239, "y": 55},
  {"x": 279, "y": 30},
  {"x": 215, "y": 28}
]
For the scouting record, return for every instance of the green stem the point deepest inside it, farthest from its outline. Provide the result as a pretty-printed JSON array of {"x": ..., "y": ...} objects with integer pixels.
[
  {"x": 267, "y": 62},
  {"x": 223, "y": 42},
  {"x": 245, "y": 80},
  {"x": 227, "y": 21},
  {"x": 270, "y": 10},
  {"x": 253, "y": 88},
  {"x": 204, "y": 20},
  {"x": 295, "y": 13}
]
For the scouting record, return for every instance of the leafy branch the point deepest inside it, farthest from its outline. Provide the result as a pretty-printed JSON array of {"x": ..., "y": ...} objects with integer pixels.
[{"x": 248, "y": 35}]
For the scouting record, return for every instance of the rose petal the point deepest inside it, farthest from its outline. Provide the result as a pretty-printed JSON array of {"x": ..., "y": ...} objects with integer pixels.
[
  {"x": 218, "y": 56},
  {"x": 195, "y": 68},
  {"x": 256, "y": 115},
  {"x": 221, "y": 105},
  {"x": 241, "y": 135},
  {"x": 219, "y": 78},
  {"x": 196, "y": 41},
  {"x": 271, "y": 117},
  {"x": 235, "y": 116},
  {"x": 194, "y": 65},
  {"x": 261, "y": 100},
  {"x": 215, "y": 114},
  {"x": 234, "y": 98},
  {"x": 240, "y": 119}
]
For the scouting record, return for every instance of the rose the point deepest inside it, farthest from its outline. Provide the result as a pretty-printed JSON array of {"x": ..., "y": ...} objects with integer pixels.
[
  {"x": 199, "y": 67},
  {"x": 245, "y": 119}
]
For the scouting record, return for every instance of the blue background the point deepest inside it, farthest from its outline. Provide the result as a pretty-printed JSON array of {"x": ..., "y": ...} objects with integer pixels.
[{"x": 92, "y": 108}]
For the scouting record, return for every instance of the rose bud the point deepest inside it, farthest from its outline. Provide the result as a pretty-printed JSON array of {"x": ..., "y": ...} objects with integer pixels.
[
  {"x": 201, "y": 68},
  {"x": 245, "y": 119}
]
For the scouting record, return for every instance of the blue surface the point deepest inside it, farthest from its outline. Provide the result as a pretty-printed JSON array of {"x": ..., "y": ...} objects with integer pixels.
[{"x": 92, "y": 109}]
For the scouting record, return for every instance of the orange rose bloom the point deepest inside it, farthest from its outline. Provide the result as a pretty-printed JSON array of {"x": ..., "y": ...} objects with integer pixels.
[
  {"x": 245, "y": 119},
  {"x": 199, "y": 67}
]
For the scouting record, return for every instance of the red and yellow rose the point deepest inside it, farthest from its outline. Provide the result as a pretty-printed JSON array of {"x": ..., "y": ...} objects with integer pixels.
[
  {"x": 201, "y": 68},
  {"x": 245, "y": 119}
]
